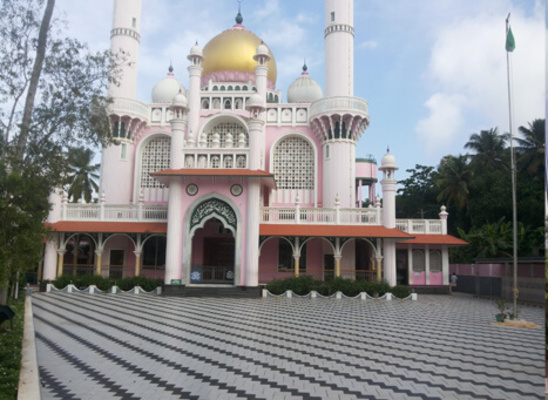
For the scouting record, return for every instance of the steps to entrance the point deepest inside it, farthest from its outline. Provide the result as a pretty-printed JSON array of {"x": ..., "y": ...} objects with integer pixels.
[{"x": 240, "y": 292}]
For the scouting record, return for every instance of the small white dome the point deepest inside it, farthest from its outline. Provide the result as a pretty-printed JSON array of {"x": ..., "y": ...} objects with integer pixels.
[
  {"x": 255, "y": 101},
  {"x": 388, "y": 161},
  {"x": 304, "y": 89},
  {"x": 262, "y": 50},
  {"x": 165, "y": 90},
  {"x": 196, "y": 51},
  {"x": 179, "y": 100}
]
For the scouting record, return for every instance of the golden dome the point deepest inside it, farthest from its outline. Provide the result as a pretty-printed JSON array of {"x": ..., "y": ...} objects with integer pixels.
[{"x": 233, "y": 50}]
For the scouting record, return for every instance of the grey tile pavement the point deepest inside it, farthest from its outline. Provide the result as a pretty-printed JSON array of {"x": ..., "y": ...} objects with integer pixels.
[{"x": 139, "y": 347}]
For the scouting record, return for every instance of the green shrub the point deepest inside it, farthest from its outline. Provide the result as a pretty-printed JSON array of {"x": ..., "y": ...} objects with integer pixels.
[
  {"x": 105, "y": 284},
  {"x": 401, "y": 291},
  {"x": 305, "y": 284}
]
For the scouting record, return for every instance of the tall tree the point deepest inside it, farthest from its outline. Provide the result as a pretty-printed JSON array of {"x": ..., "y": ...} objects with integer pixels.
[
  {"x": 417, "y": 196},
  {"x": 81, "y": 175},
  {"x": 489, "y": 148},
  {"x": 531, "y": 149},
  {"x": 64, "y": 87},
  {"x": 454, "y": 181}
]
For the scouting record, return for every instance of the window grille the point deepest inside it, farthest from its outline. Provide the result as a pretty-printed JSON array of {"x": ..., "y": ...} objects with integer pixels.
[
  {"x": 223, "y": 130},
  {"x": 155, "y": 157},
  {"x": 418, "y": 261},
  {"x": 435, "y": 261},
  {"x": 294, "y": 164}
]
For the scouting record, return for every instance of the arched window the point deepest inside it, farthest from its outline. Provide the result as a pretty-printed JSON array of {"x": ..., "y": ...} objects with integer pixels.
[
  {"x": 230, "y": 88},
  {"x": 154, "y": 157},
  {"x": 294, "y": 164},
  {"x": 205, "y": 104},
  {"x": 418, "y": 261},
  {"x": 228, "y": 104},
  {"x": 435, "y": 261},
  {"x": 223, "y": 129}
]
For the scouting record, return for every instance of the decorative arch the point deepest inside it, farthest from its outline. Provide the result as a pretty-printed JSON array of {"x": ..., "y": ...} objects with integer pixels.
[
  {"x": 155, "y": 147},
  {"x": 198, "y": 213},
  {"x": 222, "y": 125},
  {"x": 299, "y": 169},
  {"x": 373, "y": 246}
]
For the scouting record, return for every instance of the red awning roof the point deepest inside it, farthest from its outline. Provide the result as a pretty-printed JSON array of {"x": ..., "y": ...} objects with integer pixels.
[
  {"x": 437, "y": 239},
  {"x": 375, "y": 231},
  {"x": 267, "y": 177},
  {"x": 108, "y": 227}
]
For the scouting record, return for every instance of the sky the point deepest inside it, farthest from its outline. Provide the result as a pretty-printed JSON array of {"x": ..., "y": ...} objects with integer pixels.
[{"x": 433, "y": 71}]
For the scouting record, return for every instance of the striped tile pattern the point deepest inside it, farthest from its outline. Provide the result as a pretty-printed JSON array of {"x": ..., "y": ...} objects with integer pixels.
[{"x": 137, "y": 347}]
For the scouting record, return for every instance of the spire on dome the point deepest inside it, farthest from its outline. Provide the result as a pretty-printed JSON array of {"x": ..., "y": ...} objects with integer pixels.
[
  {"x": 170, "y": 69},
  {"x": 239, "y": 17},
  {"x": 305, "y": 67}
]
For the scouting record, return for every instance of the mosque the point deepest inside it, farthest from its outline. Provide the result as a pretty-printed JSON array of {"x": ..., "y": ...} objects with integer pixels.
[{"x": 222, "y": 183}]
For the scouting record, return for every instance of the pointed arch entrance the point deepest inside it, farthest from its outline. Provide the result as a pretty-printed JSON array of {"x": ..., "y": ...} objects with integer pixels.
[{"x": 211, "y": 255}]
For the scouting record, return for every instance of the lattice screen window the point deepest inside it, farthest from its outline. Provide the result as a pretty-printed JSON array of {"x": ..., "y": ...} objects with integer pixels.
[
  {"x": 223, "y": 129},
  {"x": 418, "y": 261},
  {"x": 435, "y": 260},
  {"x": 154, "y": 157},
  {"x": 294, "y": 164}
]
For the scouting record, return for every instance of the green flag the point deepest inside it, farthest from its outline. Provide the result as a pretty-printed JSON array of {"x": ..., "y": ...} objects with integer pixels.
[{"x": 510, "y": 42}]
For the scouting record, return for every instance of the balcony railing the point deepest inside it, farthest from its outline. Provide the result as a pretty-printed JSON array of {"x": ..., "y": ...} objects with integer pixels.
[
  {"x": 114, "y": 212},
  {"x": 130, "y": 108},
  {"x": 348, "y": 105},
  {"x": 341, "y": 216},
  {"x": 424, "y": 226}
]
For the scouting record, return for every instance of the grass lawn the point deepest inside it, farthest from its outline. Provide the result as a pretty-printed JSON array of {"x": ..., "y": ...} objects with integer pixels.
[{"x": 10, "y": 350}]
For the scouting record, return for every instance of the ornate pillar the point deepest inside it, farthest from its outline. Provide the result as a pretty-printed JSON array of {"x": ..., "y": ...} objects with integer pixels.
[
  {"x": 98, "y": 261},
  {"x": 60, "y": 256},
  {"x": 137, "y": 262}
]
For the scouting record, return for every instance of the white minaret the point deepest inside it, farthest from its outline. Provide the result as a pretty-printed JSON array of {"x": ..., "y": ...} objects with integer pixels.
[
  {"x": 195, "y": 73},
  {"x": 124, "y": 42},
  {"x": 117, "y": 160},
  {"x": 339, "y": 48},
  {"x": 340, "y": 118},
  {"x": 388, "y": 183}
]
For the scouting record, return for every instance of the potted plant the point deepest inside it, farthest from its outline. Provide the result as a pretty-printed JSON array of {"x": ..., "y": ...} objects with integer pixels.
[{"x": 502, "y": 305}]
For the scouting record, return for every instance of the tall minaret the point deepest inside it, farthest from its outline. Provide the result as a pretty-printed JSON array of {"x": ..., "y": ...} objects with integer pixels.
[
  {"x": 388, "y": 183},
  {"x": 124, "y": 42},
  {"x": 340, "y": 118},
  {"x": 117, "y": 160},
  {"x": 339, "y": 48}
]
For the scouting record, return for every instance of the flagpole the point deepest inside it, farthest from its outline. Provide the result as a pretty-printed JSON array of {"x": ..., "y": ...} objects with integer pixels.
[{"x": 509, "y": 48}]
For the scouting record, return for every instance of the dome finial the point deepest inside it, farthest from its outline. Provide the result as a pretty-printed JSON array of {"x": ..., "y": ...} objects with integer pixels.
[
  {"x": 305, "y": 67},
  {"x": 170, "y": 69},
  {"x": 239, "y": 18}
]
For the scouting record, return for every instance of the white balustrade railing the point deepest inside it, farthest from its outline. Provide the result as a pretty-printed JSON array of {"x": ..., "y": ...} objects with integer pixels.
[
  {"x": 130, "y": 107},
  {"x": 424, "y": 226},
  {"x": 114, "y": 212},
  {"x": 341, "y": 103},
  {"x": 342, "y": 216}
]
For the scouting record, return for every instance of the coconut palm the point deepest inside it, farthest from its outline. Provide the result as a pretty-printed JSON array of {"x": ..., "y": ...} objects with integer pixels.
[
  {"x": 81, "y": 175},
  {"x": 454, "y": 180},
  {"x": 489, "y": 147},
  {"x": 531, "y": 148}
]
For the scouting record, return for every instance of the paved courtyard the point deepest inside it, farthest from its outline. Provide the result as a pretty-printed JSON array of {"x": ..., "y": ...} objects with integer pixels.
[{"x": 140, "y": 347}]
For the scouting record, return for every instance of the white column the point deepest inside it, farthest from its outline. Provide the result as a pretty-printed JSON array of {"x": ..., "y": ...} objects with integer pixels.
[
  {"x": 389, "y": 253},
  {"x": 445, "y": 264},
  {"x": 177, "y": 142},
  {"x": 124, "y": 43},
  {"x": 50, "y": 257},
  {"x": 410, "y": 263},
  {"x": 339, "y": 48},
  {"x": 195, "y": 73},
  {"x": 427, "y": 263},
  {"x": 174, "y": 244},
  {"x": 252, "y": 233}
]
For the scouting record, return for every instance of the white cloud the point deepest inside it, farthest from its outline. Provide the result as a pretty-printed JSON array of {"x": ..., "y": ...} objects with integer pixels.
[
  {"x": 368, "y": 44},
  {"x": 467, "y": 72},
  {"x": 444, "y": 125}
]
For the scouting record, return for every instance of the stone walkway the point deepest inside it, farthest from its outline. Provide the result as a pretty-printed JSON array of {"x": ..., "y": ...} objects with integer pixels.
[{"x": 139, "y": 347}]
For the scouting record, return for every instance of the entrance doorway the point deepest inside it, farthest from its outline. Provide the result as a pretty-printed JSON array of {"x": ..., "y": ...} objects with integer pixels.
[
  {"x": 116, "y": 268},
  {"x": 213, "y": 254}
]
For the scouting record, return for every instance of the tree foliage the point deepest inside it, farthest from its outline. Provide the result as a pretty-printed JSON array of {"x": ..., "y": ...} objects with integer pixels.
[
  {"x": 81, "y": 175},
  {"x": 477, "y": 190},
  {"x": 52, "y": 99}
]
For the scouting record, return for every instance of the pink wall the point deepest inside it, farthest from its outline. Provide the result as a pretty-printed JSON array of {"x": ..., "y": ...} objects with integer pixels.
[
  {"x": 366, "y": 170},
  {"x": 436, "y": 278},
  {"x": 419, "y": 278}
]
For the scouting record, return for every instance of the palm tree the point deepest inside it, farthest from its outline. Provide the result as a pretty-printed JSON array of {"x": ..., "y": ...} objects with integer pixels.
[
  {"x": 454, "y": 180},
  {"x": 531, "y": 148},
  {"x": 489, "y": 147},
  {"x": 81, "y": 175}
]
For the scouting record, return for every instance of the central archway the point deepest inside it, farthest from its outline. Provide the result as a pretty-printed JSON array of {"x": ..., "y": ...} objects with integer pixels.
[{"x": 211, "y": 256}]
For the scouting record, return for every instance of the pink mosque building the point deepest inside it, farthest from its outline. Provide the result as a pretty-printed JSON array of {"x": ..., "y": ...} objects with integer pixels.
[{"x": 222, "y": 183}]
